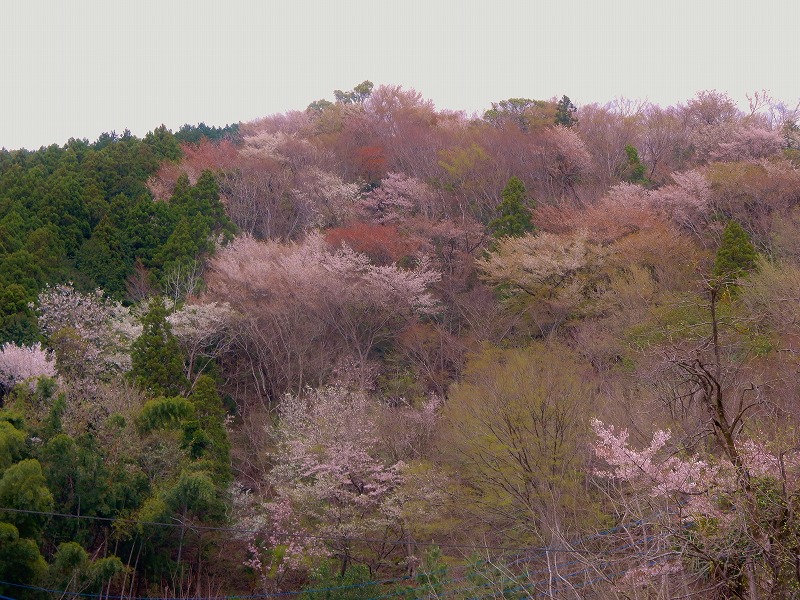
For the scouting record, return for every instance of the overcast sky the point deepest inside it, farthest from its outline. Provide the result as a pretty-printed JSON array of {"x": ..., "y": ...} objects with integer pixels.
[{"x": 76, "y": 68}]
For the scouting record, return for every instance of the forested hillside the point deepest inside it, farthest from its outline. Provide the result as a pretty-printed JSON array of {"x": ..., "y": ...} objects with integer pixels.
[{"x": 374, "y": 350}]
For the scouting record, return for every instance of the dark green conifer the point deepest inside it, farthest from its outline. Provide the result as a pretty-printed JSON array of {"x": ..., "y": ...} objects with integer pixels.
[
  {"x": 565, "y": 112},
  {"x": 634, "y": 171},
  {"x": 515, "y": 215},
  {"x": 736, "y": 256},
  {"x": 157, "y": 360},
  {"x": 207, "y": 437}
]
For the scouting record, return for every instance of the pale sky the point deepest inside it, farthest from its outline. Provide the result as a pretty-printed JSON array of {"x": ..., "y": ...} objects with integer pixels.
[{"x": 77, "y": 68}]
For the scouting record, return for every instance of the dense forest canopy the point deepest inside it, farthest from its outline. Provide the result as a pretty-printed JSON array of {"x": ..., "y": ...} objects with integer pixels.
[{"x": 382, "y": 350}]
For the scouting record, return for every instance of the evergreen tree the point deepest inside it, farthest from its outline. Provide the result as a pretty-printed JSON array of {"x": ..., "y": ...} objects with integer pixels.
[
  {"x": 515, "y": 216},
  {"x": 20, "y": 560},
  {"x": 163, "y": 144},
  {"x": 206, "y": 436},
  {"x": 156, "y": 358},
  {"x": 104, "y": 258},
  {"x": 634, "y": 171},
  {"x": 23, "y": 487},
  {"x": 736, "y": 255},
  {"x": 565, "y": 111},
  {"x": 358, "y": 94},
  {"x": 17, "y": 318}
]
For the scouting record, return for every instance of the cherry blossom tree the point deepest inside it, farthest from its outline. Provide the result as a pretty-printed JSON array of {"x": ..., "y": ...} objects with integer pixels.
[
  {"x": 688, "y": 202},
  {"x": 23, "y": 363},
  {"x": 311, "y": 306},
  {"x": 205, "y": 332},
  {"x": 749, "y": 143},
  {"x": 90, "y": 334},
  {"x": 397, "y": 197},
  {"x": 335, "y": 495},
  {"x": 331, "y": 199},
  {"x": 730, "y": 519},
  {"x": 710, "y": 118},
  {"x": 566, "y": 160}
]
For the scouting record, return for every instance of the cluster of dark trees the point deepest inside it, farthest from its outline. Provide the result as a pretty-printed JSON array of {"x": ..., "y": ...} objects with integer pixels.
[{"x": 83, "y": 213}]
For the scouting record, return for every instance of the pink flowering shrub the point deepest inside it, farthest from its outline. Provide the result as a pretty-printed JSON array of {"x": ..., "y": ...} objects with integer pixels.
[
  {"x": 687, "y": 202},
  {"x": 307, "y": 306},
  {"x": 749, "y": 143},
  {"x": 671, "y": 477},
  {"x": 397, "y": 198}
]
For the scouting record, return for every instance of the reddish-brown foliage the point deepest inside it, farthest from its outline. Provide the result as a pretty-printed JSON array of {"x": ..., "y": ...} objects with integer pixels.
[
  {"x": 383, "y": 244},
  {"x": 372, "y": 163},
  {"x": 207, "y": 155}
]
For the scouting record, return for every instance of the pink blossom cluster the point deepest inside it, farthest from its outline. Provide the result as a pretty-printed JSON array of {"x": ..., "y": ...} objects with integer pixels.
[
  {"x": 566, "y": 153},
  {"x": 329, "y": 477},
  {"x": 696, "y": 482},
  {"x": 748, "y": 143},
  {"x": 318, "y": 275},
  {"x": 687, "y": 201},
  {"x": 327, "y": 196},
  {"x": 24, "y": 363},
  {"x": 397, "y": 197},
  {"x": 689, "y": 478}
]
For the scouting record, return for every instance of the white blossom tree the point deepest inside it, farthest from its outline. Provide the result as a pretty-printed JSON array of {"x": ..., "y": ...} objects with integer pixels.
[
  {"x": 729, "y": 520},
  {"x": 398, "y": 197},
  {"x": 205, "y": 332}
]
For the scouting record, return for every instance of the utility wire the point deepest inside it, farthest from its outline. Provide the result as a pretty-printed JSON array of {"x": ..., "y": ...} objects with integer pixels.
[
  {"x": 525, "y": 555},
  {"x": 112, "y": 520},
  {"x": 524, "y": 587}
]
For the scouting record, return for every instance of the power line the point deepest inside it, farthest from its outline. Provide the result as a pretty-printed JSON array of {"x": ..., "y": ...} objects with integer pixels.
[
  {"x": 448, "y": 582},
  {"x": 232, "y": 597},
  {"x": 112, "y": 520},
  {"x": 524, "y": 555}
]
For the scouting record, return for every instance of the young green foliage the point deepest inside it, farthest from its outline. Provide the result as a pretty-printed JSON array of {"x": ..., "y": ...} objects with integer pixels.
[{"x": 513, "y": 431}]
